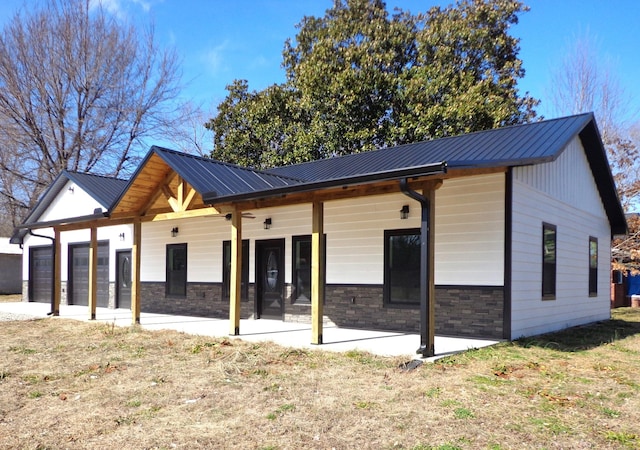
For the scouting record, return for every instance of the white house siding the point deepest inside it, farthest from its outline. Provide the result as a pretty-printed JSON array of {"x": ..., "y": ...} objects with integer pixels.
[
  {"x": 74, "y": 203},
  {"x": 468, "y": 251},
  {"x": 469, "y": 258},
  {"x": 469, "y": 226},
  {"x": 562, "y": 193},
  {"x": 204, "y": 237}
]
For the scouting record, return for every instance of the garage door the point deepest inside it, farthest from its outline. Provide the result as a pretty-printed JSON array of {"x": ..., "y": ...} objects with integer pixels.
[
  {"x": 40, "y": 273},
  {"x": 79, "y": 274}
]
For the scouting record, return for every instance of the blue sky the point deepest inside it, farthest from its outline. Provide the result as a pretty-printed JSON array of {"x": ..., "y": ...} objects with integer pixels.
[{"x": 222, "y": 40}]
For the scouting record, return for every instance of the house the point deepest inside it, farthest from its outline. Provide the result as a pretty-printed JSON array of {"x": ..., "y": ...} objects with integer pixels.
[
  {"x": 10, "y": 268},
  {"x": 73, "y": 195},
  {"x": 500, "y": 234}
]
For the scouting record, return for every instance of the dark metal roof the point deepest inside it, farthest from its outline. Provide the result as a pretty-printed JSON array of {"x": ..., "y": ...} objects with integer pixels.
[
  {"x": 218, "y": 179},
  {"x": 510, "y": 146},
  {"x": 307, "y": 186},
  {"x": 517, "y": 145},
  {"x": 104, "y": 189},
  {"x": 210, "y": 177}
]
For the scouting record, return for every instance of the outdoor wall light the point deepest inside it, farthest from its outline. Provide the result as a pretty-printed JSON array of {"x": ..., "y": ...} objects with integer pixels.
[
  {"x": 267, "y": 223},
  {"x": 71, "y": 189},
  {"x": 121, "y": 236},
  {"x": 404, "y": 212},
  {"x": 174, "y": 231}
]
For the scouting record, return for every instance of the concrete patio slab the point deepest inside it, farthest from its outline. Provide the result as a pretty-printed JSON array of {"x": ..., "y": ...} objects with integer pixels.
[{"x": 288, "y": 334}]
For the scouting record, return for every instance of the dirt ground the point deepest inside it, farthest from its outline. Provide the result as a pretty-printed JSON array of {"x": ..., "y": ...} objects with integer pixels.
[
  {"x": 10, "y": 298},
  {"x": 76, "y": 385}
]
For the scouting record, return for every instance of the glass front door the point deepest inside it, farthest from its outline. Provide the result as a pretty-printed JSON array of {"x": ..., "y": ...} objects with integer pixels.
[
  {"x": 123, "y": 294},
  {"x": 270, "y": 278}
]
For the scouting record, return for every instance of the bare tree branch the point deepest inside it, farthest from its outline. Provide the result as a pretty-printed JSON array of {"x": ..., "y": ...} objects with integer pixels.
[
  {"x": 80, "y": 90},
  {"x": 582, "y": 84}
]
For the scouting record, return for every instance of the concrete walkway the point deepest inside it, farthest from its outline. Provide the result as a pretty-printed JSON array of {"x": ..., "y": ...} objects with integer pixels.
[{"x": 296, "y": 335}]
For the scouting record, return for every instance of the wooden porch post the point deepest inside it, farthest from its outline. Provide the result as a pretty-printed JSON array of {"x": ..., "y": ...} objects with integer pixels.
[
  {"x": 135, "y": 272},
  {"x": 57, "y": 273},
  {"x": 236, "y": 273},
  {"x": 317, "y": 272},
  {"x": 93, "y": 273}
]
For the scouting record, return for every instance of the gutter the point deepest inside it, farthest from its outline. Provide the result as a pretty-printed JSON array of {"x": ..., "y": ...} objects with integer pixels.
[
  {"x": 426, "y": 344},
  {"x": 210, "y": 198}
]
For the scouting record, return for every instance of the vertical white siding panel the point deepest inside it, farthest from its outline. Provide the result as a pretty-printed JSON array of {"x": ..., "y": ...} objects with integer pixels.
[
  {"x": 564, "y": 194},
  {"x": 70, "y": 203}
]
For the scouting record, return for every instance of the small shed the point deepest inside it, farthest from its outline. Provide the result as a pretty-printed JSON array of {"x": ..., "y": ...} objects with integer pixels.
[{"x": 10, "y": 267}]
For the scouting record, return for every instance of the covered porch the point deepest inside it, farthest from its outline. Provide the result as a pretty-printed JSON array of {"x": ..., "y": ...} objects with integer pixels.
[
  {"x": 287, "y": 334},
  {"x": 169, "y": 186}
]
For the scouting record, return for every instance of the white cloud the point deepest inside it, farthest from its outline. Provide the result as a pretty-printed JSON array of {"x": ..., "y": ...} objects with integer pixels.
[
  {"x": 144, "y": 4},
  {"x": 119, "y": 8},
  {"x": 214, "y": 58},
  {"x": 111, "y": 6}
]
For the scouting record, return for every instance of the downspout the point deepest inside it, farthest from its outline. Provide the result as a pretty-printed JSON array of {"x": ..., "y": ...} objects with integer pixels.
[
  {"x": 53, "y": 272},
  {"x": 426, "y": 349}
]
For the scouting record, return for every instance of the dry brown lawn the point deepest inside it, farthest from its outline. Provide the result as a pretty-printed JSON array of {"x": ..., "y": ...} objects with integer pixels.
[{"x": 69, "y": 384}]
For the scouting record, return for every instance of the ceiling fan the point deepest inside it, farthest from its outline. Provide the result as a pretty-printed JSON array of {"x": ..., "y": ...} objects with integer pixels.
[{"x": 245, "y": 215}]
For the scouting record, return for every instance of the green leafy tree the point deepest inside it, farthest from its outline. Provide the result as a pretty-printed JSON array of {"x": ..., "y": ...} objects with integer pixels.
[
  {"x": 464, "y": 78},
  {"x": 360, "y": 78},
  {"x": 347, "y": 68},
  {"x": 258, "y": 129}
]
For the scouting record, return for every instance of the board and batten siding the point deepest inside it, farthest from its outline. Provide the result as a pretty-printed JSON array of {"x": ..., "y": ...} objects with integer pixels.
[
  {"x": 562, "y": 193},
  {"x": 469, "y": 236}
]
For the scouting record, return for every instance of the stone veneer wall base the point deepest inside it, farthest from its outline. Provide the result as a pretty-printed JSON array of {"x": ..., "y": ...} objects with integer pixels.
[{"x": 471, "y": 311}]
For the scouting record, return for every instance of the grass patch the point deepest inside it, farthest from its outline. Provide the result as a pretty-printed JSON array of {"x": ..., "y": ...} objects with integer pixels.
[
  {"x": 463, "y": 413},
  {"x": 110, "y": 387},
  {"x": 22, "y": 350}
]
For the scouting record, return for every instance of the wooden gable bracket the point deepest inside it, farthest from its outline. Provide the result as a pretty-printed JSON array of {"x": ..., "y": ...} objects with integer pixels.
[
  {"x": 158, "y": 192},
  {"x": 179, "y": 202}
]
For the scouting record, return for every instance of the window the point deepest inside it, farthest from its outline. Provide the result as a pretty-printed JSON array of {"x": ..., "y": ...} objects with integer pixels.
[
  {"x": 402, "y": 267},
  {"x": 301, "y": 268},
  {"x": 548, "y": 261},
  {"x": 226, "y": 270},
  {"x": 593, "y": 266},
  {"x": 301, "y": 277},
  {"x": 176, "y": 285}
]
